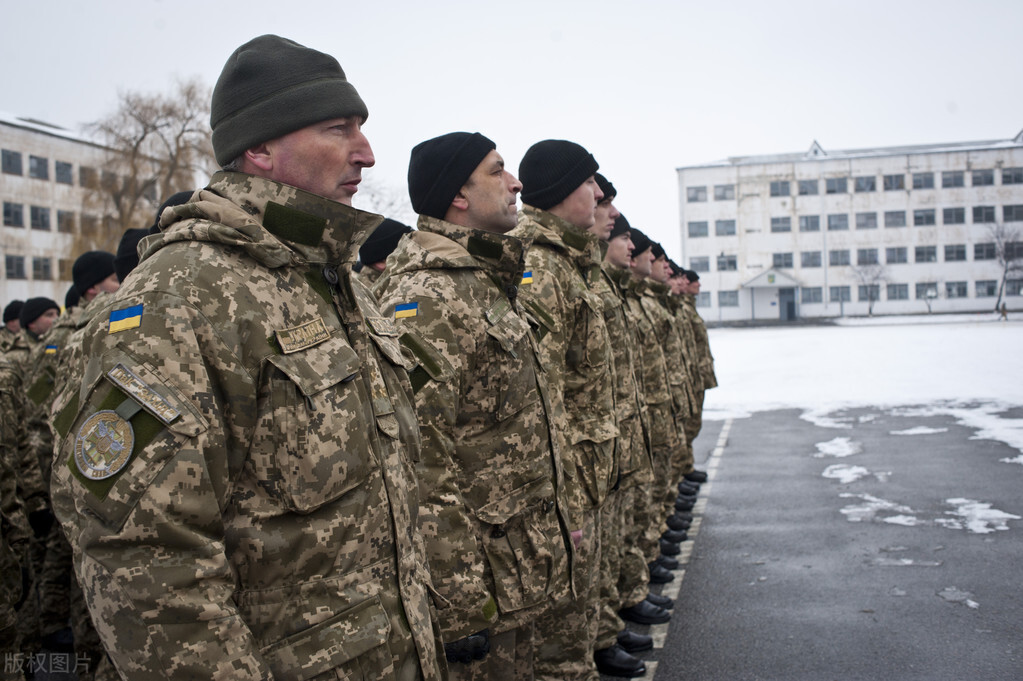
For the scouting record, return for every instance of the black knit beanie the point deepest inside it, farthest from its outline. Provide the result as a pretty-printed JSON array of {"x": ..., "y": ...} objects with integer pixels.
[
  {"x": 71, "y": 298},
  {"x": 127, "y": 257},
  {"x": 12, "y": 310},
  {"x": 439, "y": 167},
  {"x": 658, "y": 250},
  {"x": 691, "y": 275},
  {"x": 553, "y": 169},
  {"x": 178, "y": 199},
  {"x": 91, "y": 268},
  {"x": 606, "y": 188},
  {"x": 640, "y": 241},
  {"x": 271, "y": 86},
  {"x": 382, "y": 242},
  {"x": 34, "y": 309},
  {"x": 621, "y": 227}
]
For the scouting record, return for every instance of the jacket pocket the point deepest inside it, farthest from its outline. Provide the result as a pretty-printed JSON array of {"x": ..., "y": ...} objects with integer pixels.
[
  {"x": 315, "y": 422},
  {"x": 514, "y": 378},
  {"x": 336, "y": 644},
  {"x": 522, "y": 542}
]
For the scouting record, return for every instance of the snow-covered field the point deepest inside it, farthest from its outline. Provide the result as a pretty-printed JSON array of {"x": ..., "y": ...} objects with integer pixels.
[{"x": 967, "y": 366}]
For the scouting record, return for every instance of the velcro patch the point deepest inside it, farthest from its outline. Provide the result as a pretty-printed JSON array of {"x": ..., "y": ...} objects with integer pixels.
[
  {"x": 128, "y": 318},
  {"x": 406, "y": 310},
  {"x": 135, "y": 387},
  {"x": 302, "y": 336}
]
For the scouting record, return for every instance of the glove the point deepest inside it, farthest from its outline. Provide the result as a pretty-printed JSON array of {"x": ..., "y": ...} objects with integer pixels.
[
  {"x": 465, "y": 650},
  {"x": 41, "y": 522}
]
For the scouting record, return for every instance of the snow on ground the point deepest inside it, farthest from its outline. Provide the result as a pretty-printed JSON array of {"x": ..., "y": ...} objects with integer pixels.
[{"x": 966, "y": 366}]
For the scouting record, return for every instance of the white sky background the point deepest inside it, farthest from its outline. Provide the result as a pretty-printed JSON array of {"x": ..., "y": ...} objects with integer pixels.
[
  {"x": 647, "y": 86},
  {"x": 966, "y": 366}
]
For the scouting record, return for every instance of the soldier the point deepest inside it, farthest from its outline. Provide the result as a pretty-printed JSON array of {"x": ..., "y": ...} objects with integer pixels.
[
  {"x": 559, "y": 196},
  {"x": 495, "y": 532},
  {"x": 705, "y": 360},
  {"x": 12, "y": 326},
  {"x": 235, "y": 458},
  {"x": 680, "y": 306},
  {"x": 380, "y": 244}
]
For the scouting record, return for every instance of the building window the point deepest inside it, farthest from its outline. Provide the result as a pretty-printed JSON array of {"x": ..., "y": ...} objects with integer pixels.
[
  {"x": 865, "y": 183},
  {"x": 953, "y": 216},
  {"x": 983, "y": 214},
  {"x": 898, "y": 291},
  {"x": 728, "y": 299},
  {"x": 1009, "y": 175},
  {"x": 39, "y": 167},
  {"x": 924, "y": 217},
  {"x": 696, "y": 194},
  {"x": 866, "y": 256},
  {"x": 809, "y": 223},
  {"x": 955, "y": 252},
  {"x": 868, "y": 293},
  {"x": 926, "y": 254},
  {"x": 698, "y": 228},
  {"x": 703, "y": 299},
  {"x": 866, "y": 221},
  {"x": 895, "y": 218},
  {"x": 781, "y": 224},
  {"x": 39, "y": 217},
  {"x": 724, "y": 227},
  {"x": 839, "y": 294},
  {"x": 65, "y": 267},
  {"x": 955, "y": 289},
  {"x": 838, "y": 222},
  {"x": 984, "y": 251},
  {"x": 42, "y": 269},
  {"x": 62, "y": 172},
  {"x": 1012, "y": 213},
  {"x": 952, "y": 178},
  {"x": 10, "y": 162},
  {"x": 835, "y": 185},
  {"x": 728, "y": 263},
  {"x": 836, "y": 258},
  {"x": 780, "y": 188},
  {"x": 894, "y": 182},
  {"x": 783, "y": 260},
  {"x": 923, "y": 180},
  {"x": 926, "y": 290},
  {"x": 983, "y": 178},
  {"x": 14, "y": 214},
  {"x": 987, "y": 288},
  {"x": 808, "y": 187},
  {"x": 896, "y": 255},
  {"x": 724, "y": 192},
  {"x": 65, "y": 221},
  {"x": 810, "y": 259},
  {"x": 1013, "y": 287},
  {"x": 1014, "y": 250},
  {"x": 88, "y": 177},
  {"x": 813, "y": 294},
  {"x": 15, "y": 265},
  {"x": 700, "y": 264}
]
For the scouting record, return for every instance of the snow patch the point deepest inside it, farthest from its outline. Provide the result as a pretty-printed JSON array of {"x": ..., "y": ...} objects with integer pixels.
[
  {"x": 919, "y": 430},
  {"x": 845, "y": 474},
  {"x": 839, "y": 447},
  {"x": 871, "y": 507},
  {"x": 976, "y": 517}
]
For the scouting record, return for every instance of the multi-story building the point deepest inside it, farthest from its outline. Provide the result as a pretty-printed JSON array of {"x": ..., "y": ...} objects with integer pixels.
[
  {"x": 45, "y": 176},
  {"x": 896, "y": 230}
]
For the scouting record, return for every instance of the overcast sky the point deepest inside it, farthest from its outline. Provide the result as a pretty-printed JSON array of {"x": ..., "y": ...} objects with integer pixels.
[{"x": 646, "y": 86}]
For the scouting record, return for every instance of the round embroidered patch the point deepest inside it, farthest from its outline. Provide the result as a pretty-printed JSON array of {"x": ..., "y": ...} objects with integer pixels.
[{"x": 103, "y": 446}]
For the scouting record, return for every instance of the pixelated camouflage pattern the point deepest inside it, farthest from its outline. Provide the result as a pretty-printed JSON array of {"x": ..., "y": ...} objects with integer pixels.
[
  {"x": 369, "y": 276},
  {"x": 653, "y": 366},
  {"x": 574, "y": 348},
  {"x": 489, "y": 472},
  {"x": 706, "y": 359},
  {"x": 655, "y": 303},
  {"x": 680, "y": 311},
  {"x": 14, "y": 529},
  {"x": 269, "y": 530}
]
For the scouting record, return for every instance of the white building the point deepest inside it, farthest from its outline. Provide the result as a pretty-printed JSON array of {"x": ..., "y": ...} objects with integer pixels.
[
  {"x": 44, "y": 175},
  {"x": 828, "y": 233}
]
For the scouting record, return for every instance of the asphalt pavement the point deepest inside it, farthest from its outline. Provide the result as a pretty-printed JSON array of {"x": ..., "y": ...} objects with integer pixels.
[{"x": 888, "y": 549}]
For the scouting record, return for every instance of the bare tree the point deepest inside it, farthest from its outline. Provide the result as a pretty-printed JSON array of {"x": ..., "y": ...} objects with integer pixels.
[
  {"x": 376, "y": 196},
  {"x": 158, "y": 144},
  {"x": 1008, "y": 254},
  {"x": 871, "y": 276}
]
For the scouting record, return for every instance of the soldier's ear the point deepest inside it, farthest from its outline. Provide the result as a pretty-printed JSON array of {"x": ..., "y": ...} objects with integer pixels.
[
  {"x": 260, "y": 156},
  {"x": 461, "y": 201}
]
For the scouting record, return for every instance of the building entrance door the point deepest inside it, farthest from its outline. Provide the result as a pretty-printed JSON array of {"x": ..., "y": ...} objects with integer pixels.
[{"x": 787, "y": 304}]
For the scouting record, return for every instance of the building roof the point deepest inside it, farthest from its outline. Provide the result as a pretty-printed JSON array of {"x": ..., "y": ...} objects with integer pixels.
[
  {"x": 772, "y": 278},
  {"x": 817, "y": 153},
  {"x": 45, "y": 128}
]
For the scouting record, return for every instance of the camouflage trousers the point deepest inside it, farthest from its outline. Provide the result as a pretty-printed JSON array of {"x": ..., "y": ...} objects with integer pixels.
[
  {"x": 566, "y": 631},
  {"x": 634, "y": 575},
  {"x": 510, "y": 657},
  {"x": 608, "y": 621}
]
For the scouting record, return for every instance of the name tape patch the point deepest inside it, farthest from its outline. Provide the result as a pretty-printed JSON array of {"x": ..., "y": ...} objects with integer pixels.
[
  {"x": 125, "y": 379},
  {"x": 302, "y": 336}
]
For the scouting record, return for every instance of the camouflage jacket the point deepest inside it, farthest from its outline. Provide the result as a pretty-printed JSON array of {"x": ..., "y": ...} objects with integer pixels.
[
  {"x": 14, "y": 528},
  {"x": 705, "y": 359},
  {"x": 655, "y": 302},
  {"x": 7, "y": 339},
  {"x": 235, "y": 469},
  {"x": 653, "y": 368},
  {"x": 369, "y": 276},
  {"x": 680, "y": 312},
  {"x": 32, "y": 489},
  {"x": 558, "y": 289},
  {"x": 489, "y": 473}
]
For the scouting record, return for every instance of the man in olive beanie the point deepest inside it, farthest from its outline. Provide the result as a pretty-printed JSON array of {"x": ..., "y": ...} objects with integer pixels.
[
  {"x": 380, "y": 244},
  {"x": 560, "y": 195}
]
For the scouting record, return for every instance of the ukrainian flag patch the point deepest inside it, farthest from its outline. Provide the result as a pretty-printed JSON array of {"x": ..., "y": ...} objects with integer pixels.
[
  {"x": 51, "y": 349},
  {"x": 406, "y": 310},
  {"x": 128, "y": 318},
  {"x": 527, "y": 278}
]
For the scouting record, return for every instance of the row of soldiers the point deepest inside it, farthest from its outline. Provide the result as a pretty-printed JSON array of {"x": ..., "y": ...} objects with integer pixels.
[{"x": 472, "y": 469}]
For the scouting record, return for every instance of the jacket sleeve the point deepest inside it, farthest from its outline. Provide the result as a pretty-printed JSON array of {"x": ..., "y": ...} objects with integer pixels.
[{"x": 149, "y": 540}]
